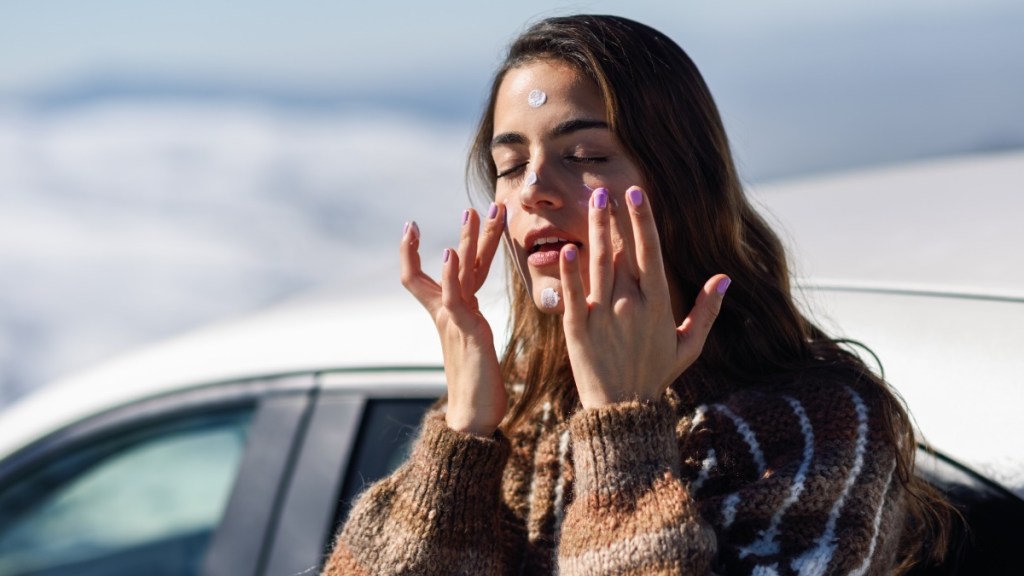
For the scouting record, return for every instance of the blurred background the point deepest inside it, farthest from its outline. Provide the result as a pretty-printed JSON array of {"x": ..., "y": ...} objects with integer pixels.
[{"x": 168, "y": 165}]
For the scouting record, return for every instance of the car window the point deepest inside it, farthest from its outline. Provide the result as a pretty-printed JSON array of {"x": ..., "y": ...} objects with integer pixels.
[
  {"x": 145, "y": 501},
  {"x": 385, "y": 437}
]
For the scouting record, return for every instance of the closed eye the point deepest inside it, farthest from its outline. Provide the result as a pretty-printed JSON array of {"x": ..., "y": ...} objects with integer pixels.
[
  {"x": 586, "y": 159},
  {"x": 518, "y": 168}
]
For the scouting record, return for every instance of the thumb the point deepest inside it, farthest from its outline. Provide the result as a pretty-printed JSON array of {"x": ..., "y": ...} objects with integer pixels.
[{"x": 694, "y": 330}]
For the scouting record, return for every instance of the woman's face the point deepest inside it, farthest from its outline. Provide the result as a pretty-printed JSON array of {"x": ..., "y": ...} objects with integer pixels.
[{"x": 552, "y": 147}]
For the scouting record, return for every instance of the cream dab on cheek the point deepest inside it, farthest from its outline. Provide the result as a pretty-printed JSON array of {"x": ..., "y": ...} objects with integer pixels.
[
  {"x": 510, "y": 212},
  {"x": 536, "y": 98},
  {"x": 584, "y": 197},
  {"x": 549, "y": 298}
]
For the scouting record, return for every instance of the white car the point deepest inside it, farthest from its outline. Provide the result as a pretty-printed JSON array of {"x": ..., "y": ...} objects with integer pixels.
[{"x": 236, "y": 450}]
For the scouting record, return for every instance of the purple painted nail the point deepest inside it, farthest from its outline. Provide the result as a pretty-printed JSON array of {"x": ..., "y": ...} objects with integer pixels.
[
  {"x": 600, "y": 198},
  {"x": 570, "y": 253},
  {"x": 465, "y": 216},
  {"x": 723, "y": 285},
  {"x": 405, "y": 228},
  {"x": 492, "y": 211},
  {"x": 447, "y": 253},
  {"x": 636, "y": 196}
]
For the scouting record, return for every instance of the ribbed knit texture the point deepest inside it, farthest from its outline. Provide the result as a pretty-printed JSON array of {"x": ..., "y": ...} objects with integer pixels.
[{"x": 792, "y": 479}]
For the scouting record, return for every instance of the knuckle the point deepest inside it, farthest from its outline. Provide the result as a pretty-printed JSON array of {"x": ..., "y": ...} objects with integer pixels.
[
  {"x": 449, "y": 302},
  {"x": 407, "y": 278},
  {"x": 623, "y": 306},
  {"x": 713, "y": 313}
]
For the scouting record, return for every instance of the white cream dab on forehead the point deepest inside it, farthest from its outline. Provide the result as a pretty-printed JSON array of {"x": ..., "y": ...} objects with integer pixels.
[
  {"x": 549, "y": 298},
  {"x": 537, "y": 98}
]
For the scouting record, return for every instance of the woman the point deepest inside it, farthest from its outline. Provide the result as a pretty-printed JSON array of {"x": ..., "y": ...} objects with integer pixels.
[{"x": 621, "y": 432}]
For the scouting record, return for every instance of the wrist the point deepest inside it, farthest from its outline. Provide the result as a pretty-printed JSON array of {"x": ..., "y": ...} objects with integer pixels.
[
  {"x": 601, "y": 399},
  {"x": 468, "y": 425}
]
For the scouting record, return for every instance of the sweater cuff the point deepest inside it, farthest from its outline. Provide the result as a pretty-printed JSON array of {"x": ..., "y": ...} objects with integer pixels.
[
  {"x": 460, "y": 465},
  {"x": 623, "y": 449}
]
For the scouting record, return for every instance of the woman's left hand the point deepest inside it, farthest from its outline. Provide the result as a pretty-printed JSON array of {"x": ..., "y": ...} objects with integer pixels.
[{"x": 622, "y": 339}]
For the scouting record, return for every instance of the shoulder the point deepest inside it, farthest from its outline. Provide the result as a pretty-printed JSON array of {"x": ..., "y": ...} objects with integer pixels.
[
  {"x": 797, "y": 474},
  {"x": 830, "y": 418}
]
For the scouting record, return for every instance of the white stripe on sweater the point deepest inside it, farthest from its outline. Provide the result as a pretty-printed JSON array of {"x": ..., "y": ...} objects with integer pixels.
[
  {"x": 748, "y": 436},
  {"x": 815, "y": 561},
  {"x": 875, "y": 528},
  {"x": 705, "y": 471},
  {"x": 563, "y": 463},
  {"x": 767, "y": 543},
  {"x": 729, "y": 509},
  {"x": 698, "y": 416}
]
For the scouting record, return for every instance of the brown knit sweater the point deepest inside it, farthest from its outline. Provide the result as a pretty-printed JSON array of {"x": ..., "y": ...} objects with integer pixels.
[{"x": 795, "y": 479}]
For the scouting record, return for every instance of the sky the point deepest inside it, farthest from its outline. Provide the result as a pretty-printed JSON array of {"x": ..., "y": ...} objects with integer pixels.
[{"x": 168, "y": 165}]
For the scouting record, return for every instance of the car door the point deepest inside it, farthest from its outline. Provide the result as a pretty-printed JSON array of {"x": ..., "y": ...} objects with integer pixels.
[
  {"x": 186, "y": 483},
  {"x": 361, "y": 429}
]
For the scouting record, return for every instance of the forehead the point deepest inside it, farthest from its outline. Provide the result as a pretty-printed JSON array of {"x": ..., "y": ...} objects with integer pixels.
[{"x": 568, "y": 92}]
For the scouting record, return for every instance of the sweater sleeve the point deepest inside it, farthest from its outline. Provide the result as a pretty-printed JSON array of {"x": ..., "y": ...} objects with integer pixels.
[
  {"x": 631, "y": 513},
  {"x": 440, "y": 513},
  {"x": 799, "y": 483}
]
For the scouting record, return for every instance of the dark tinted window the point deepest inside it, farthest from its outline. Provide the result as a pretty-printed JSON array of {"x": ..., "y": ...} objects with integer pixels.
[{"x": 385, "y": 437}]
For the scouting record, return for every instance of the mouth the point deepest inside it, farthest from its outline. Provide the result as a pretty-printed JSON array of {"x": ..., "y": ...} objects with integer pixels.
[
  {"x": 544, "y": 250},
  {"x": 550, "y": 244}
]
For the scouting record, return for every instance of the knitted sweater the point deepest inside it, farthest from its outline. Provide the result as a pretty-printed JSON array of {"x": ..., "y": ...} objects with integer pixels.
[{"x": 794, "y": 479}]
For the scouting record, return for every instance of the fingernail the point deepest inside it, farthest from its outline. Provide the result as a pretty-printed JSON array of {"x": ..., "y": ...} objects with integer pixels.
[
  {"x": 492, "y": 211},
  {"x": 570, "y": 253},
  {"x": 415, "y": 229},
  {"x": 600, "y": 198},
  {"x": 405, "y": 228},
  {"x": 636, "y": 196},
  {"x": 723, "y": 285},
  {"x": 465, "y": 216},
  {"x": 447, "y": 253}
]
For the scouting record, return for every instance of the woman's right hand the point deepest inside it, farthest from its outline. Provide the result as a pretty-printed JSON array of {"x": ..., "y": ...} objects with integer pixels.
[{"x": 477, "y": 399}]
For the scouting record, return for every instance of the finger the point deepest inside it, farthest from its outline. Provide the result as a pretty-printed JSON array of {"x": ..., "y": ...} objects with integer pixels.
[
  {"x": 451, "y": 289},
  {"x": 467, "y": 252},
  {"x": 693, "y": 332},
  {"x": 573, "y": 296},
  {"x": 414, "y": 279},
  {"x": 487, "y": 246},
  {"x": 650, "y": 265},
  {"x": 623, "y": 245},
  {"x": 601, "y": 268}
]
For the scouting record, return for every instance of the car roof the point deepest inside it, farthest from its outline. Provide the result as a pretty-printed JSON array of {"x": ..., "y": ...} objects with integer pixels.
[
  {"x": 947, "y": 224},
  {"x": 385, "y": 331},
  {"x": 888, "y": 251}
]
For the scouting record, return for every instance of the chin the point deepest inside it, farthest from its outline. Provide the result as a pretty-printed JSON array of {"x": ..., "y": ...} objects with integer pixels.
[{"x": 547, "y": 297}]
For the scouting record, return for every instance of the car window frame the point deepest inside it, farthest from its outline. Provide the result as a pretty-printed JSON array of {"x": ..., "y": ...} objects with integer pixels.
[
  {"x": 280, "y": 411},
  {"x": 306, "y": 527}
]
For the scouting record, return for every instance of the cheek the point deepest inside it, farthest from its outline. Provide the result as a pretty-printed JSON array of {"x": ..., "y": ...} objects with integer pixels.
[{"x": 503, "y": 196}]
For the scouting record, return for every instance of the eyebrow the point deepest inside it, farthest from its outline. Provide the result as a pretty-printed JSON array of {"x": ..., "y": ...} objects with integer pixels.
[{"x": 563, "y": 129}]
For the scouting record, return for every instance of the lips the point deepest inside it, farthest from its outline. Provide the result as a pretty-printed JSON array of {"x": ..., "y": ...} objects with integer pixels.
[
  {"x": 544, "y": 246},
  {"x": 548, "y": 243}
]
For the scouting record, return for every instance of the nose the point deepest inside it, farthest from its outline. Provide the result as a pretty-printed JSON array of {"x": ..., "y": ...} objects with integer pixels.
[{"x": 541, "y": 188}]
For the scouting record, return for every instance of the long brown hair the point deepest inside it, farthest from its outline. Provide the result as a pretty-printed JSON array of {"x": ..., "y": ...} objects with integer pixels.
[{"x": 661, "y": 110}]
